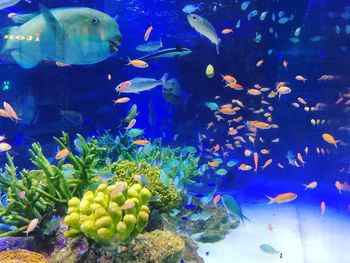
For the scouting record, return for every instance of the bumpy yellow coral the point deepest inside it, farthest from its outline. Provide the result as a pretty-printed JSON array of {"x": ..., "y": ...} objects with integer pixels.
[
  {"x": 165, "y": 198},
  {"x": 112, "y": 213}
]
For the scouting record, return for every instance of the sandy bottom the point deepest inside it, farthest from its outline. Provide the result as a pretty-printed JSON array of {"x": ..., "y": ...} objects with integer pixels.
[{"x": 299, "y": 232}]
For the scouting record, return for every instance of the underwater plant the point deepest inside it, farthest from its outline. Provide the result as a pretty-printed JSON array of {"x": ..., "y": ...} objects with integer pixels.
[
  {"x": 164, "y": 198},
  {"x": 179, "y": 164},
  {"x": 111, "y": 214}
]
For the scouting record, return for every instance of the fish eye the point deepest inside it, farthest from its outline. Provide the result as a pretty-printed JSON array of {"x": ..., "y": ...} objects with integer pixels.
[
  {"x": 194, "y": 17},
  {"x": 94, "y": 21}
]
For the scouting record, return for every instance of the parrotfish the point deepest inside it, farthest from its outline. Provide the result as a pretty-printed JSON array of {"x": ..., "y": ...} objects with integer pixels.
[{"x": 74, "y": 36}]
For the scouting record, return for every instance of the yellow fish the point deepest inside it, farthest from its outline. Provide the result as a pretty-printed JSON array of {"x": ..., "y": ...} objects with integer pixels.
[{"x": 267, "y": 163}]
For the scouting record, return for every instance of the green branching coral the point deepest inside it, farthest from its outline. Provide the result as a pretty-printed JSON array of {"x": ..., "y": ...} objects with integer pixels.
[
  {"x": 165, "y": 198},
  {"x": 114, "y": 213}
]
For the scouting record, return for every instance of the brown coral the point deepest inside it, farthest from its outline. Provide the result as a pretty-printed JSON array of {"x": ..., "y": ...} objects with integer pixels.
[{"x": 21, "y": 256}]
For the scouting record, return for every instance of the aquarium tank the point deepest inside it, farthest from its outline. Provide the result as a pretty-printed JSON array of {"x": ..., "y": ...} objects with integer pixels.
[{"x": 175, "y": 131}]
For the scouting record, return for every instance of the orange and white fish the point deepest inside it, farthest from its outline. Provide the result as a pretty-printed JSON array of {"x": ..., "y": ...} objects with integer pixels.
[
  {"x": 148, "y": 33},
  {"x": 213, "y": 164},
  {"x": 62, "y": 154},
  {"x": 121, "y": 100},
  {"x": 244, "y": 167},
  {"x": 131, "y": 124},
  {"x": 31, "y": 226},
  {"x": 311, "y": 185},
  {"x": 13, "y": 115},
  {"x": 267, "y": 163},
  {"x": 300, "y": 78},
  {"x": 141, "y": 142},
  {"x": 229, "y": 78},
  {"x": 282, "y": 198},
  {"x": 4, "y": 147},
  {"x": 302, "y": 101},
  {"x": 227, "y": 31},
  {"x": 300, "y": 158},
  {"x": 137, "y": 63},
  {"x": 62, "y": 65},
  {"x": 323, "y": 208},
  {"x": 120, "y": 187},
  {"x": 256, "y": 161},
  {"x": 330, "y": 139},
  {"x": 339, "y": 186}
]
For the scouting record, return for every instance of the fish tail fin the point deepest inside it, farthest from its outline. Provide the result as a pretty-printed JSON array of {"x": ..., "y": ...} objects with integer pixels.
[
  {"x": 270, "y": 198},
  {"x": 306, "y": 187},
  {"x": 335, "y": 144},
  {"x": 217, "y": 47},
  {"x": 244, "y": 218},
  {"x": 164, "y": 78}
]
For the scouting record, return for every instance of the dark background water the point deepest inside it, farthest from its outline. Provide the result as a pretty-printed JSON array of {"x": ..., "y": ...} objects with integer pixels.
[{"x": 86, "y": 89}]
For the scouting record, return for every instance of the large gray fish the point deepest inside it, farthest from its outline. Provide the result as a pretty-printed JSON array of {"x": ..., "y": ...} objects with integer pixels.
[
  {"x": 75, "y": 36},
  {"x": 137, "y": 85},
  {"x": 205, "y": 28},
  {"x": 173, "y": 93}
]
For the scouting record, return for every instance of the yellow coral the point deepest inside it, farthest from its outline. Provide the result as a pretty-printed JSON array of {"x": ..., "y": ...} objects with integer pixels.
[
  {"x": 21, "y": 255},
  {"x": 113, "y": 213}
]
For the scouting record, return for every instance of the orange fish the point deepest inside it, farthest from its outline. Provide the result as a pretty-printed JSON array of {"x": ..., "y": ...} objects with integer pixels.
[
  {"x": 235, "y": 86},
  {"x": 216, "y": 199},
  {"x": 311, "y": 185},
  {"x": 121, "y": 100},
  {"x": 141, "y": 142},
  {"x": 62, "y": 154},
  {"x": 11, "y": 112},
  {"x": 131, "y": 124},
  {"x": 62, "y": 65},
  {"x": 216, "y": 148},
  {"x": 232, "y": 131},
  {"x": 282, "y": 198},
  {"x": 213, "y": 164},
  {"x": 4, "y": 147},
  {"x": 229, "y": 78},
  {"x": 323, "y": 208},
  {"x": 148, "y": 33},
  {"x": 138, "y": 63},
  {"x": 4, "y": 114},
  {"x": 227, "y": 31},
  {"x": 330, "y": 139},
  {"x": 339, "y": 186},
  {"x": 267, "y": 163},
  {"x": 256, "y": 160}
]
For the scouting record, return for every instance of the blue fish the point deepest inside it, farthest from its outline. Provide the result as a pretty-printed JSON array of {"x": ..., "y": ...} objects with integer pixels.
[{"x": 232, "y": 207}]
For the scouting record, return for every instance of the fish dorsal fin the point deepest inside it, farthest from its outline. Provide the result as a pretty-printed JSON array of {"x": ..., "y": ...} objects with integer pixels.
[
  {"x": 21, "y": 19},
  {"x": 56, "y": 29}
]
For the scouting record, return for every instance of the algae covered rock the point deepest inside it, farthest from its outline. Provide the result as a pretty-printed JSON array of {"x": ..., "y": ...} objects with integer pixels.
[
  {"x": 155, "y": 247},
  {"x": 13, "y": 243},
  {"x": 165, "y": 198},
  {"x": 111, "y": 214},
  {"x": 21, "y": 255}
]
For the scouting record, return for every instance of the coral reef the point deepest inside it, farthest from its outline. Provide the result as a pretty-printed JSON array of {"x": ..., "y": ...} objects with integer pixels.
[
  {"x": 164, "y": 198},
  {"x": 207, "y": 223},
  {"x": 21, "y": 255},
  {"x": 13, "y": 243},
  {"x": 114, "y": 213},
  {"x": 156, "y": 246}
]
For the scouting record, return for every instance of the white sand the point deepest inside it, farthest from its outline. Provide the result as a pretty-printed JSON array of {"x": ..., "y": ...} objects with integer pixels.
[{"x": 299, "y": 232}]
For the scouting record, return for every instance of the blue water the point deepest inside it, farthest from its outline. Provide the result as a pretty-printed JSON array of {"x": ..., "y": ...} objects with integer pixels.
[{"x": 86, "y": 89}]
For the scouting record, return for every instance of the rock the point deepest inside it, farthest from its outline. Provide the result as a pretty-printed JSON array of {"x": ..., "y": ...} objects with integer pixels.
[
  {"x": 13, "y": 243},
  {"x": 71, "y": 251},
  {"x": 21, "y": 255},
  {"x": 191, "y": 255},
  {"x": 154, "y": 247}
]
